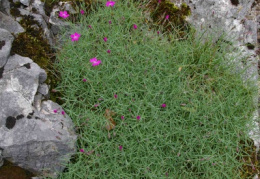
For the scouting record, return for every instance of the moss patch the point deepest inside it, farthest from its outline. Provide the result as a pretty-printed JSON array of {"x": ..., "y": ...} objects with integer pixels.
[
  {"x": 32, "y": 44},
  {"x": 251, "y": 165},
  {"x": 177, "y": 15},
  {"x": 8, "y": 170}
]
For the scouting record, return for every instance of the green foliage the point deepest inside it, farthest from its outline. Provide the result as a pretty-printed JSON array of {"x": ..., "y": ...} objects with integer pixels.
[{"x": 202, "y": 133}]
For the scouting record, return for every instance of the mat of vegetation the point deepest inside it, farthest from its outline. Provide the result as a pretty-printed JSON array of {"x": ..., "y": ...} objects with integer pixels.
[{"x": 151, "y": 105}]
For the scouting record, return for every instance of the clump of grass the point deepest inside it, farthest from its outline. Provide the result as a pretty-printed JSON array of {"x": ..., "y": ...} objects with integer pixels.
[{"x": 198, "y": 133}]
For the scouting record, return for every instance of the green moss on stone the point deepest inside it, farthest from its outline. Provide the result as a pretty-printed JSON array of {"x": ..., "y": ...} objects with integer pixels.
[
  {"x": 32, "y": 44},
  {"x": 177, "y": 15}
]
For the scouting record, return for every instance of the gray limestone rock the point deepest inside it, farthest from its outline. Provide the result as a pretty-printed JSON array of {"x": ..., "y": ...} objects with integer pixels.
[
  {"x": 39, "y": 6},
  {"x": 43, "y": 89},
  {"x": 33, "y": 136},
  {"x": 18, "y": 87},
  {"x": 5, "y": 6},
  {"x": 8, "y": 23},
  {"x": 24, "y": 2},
  {"x": 6, "y": 40},
  {"x": 40, "y": 142}
]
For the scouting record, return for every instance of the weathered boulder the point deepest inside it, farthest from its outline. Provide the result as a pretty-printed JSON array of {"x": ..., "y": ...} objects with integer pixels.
[
  {"x": 8, "y": 23},
  {"x": 5, "y": 6},
  {"x": 6, "y": 40},
  {"x": 41, "y": 141},
  {"x": 24, "y": 2},
  {"x": 37, "y": 139}
]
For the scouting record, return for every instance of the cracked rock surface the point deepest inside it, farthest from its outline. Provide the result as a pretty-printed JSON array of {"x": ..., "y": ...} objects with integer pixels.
[{"x": 32, "y": 137}]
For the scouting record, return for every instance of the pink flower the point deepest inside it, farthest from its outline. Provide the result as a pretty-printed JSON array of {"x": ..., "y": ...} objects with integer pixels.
[
  {"x": 96, "y": 105},
  {"x": 163, "y": 105},
  {"x": 158, "y": 32},
  {"x": 95, "y": 61},
  {"x": 115, "y": 96},
  {"x": 84, "y": 80},
  {"x": 120, "y": 147},
  {"x": 75, "y": 36},
  {"x": 110, "y": 3},
  {"x": 82, "y": 150},
  {"x": 55, "y": 110},
  {"x": 159, "y": 1},
  {"x": 105, "y": 39},
  {"x": 90, "y": 26},
  {"x": 108, "y": 51},
  {"x": 82, "y": 12},
  {"x": 64, "y": 14},
  {"x": 135, "y": 26},
  {"x": 122, "y": 117},
  {"x": 167, "y": 17},
  {"x": 110, "y": 22},
  {"x": 138, "y": 118},
  {"x": 63, "y": 112}
]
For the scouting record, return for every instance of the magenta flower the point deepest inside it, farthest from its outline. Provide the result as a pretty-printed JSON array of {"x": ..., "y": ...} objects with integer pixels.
[
  {"x": 75, "y": 36},
  {"x": 96, "y": 105},
  {"x": 135, "y": 26},
  {"x": 110, "y": 3},
  {"x": 138, "y": 118},
  {"x": 163, "y": 105},
  {"x": 110, "y": 22},
  {"x": 82, "y": 150},
  {"x": 90, "y": 26},
  {"x": 95, "y": 61},
  {"x": 105, "y": 39},
  {"x": 82, "y": 12},
  {"x": 158, "y": 32},
  {"x": 64, "y": 14},
  {"x": 55, "y": 110},
  {"x": 108, "y": 51},
  {"x": 63, "y": 112},
  {"x": 115, "y": 96},
  {"x": 120, "y": 147},
  {"x": 167, "y": 17},
  {"x": 122, "y": 117},
  {"x": 159, "y": 1},
  {"x": 84, "y": 80}
]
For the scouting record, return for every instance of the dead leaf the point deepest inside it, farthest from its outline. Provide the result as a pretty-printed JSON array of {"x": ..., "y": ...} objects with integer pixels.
[
  {"x": 110, "y": 123},
  {"x": 180, "y": 68}
]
